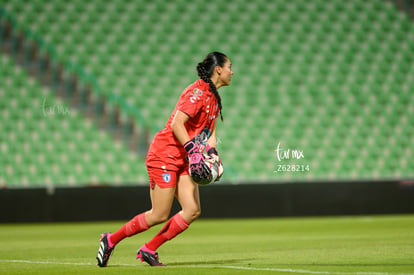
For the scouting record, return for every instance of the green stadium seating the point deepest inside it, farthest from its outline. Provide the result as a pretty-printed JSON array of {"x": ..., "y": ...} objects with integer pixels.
[
  {"x": 330, "y": 78},
  {"x": 41, "y": 144}
]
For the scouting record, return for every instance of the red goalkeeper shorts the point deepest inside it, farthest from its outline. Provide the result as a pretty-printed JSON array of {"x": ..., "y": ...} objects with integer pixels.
[{"x": 165, "y": 178}]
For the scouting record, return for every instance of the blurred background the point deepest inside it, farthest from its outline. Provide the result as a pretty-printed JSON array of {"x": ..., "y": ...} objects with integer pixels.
[{"x": 322, "y": 90}]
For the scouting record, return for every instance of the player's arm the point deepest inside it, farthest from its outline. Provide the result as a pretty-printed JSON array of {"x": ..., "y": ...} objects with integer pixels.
[
  {"x": 199, "y": 171},
  {"x": 212, "y": 151},
  {"x": 178, "y": 128},
  {"x": 212, "y": 141}
]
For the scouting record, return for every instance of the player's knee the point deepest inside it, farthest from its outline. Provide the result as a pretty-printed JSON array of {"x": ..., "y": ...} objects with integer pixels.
[
  {"x": 162, "y": 218},
  {"x": 157, "y": 218},
  {"x": 195, "y": 213},
  {"x": 190, "y": 214}
]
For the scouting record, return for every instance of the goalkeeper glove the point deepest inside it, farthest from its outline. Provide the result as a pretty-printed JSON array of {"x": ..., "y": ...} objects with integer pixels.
[
  {"x": 199, "y": 170},
  {"x": 213, "y": 154}
]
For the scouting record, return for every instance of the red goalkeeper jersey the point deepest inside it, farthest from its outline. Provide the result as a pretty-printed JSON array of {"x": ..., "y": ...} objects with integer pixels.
[{"x": 166, "y": 152}]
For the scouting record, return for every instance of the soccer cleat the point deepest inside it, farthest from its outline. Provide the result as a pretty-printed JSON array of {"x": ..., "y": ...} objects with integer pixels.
[
  {"x": 105, "y": 251},
  {"x": 149, "y": 258}
]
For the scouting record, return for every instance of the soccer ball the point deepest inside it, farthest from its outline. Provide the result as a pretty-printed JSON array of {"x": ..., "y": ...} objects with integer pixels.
[{"x": 216, "y": 169}]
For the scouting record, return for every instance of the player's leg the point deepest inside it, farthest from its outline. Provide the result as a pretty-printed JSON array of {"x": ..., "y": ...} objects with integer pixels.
[
  {"x": 188, "y": 195},
  {"x": 162, "y": 192},
  {"x": 161, "y": 199}
]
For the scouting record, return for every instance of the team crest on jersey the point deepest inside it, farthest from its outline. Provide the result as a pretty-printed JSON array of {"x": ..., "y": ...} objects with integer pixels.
[
  {"x": 196, "y": 96},
  {"x": 198, "y": 91},
  {"x": 166, "y": 177}
]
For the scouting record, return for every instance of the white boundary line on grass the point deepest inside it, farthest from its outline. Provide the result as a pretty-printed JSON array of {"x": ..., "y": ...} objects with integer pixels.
[{"x": 218, "y": 266}]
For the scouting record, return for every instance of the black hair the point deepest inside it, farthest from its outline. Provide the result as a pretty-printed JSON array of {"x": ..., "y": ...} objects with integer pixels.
[{"x": 205, "y": 70}]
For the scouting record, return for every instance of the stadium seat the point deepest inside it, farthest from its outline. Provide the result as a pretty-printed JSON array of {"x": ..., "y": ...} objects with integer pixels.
[
  {"x": 48, "y": 146},
  {"x": 326, "y": 77}
]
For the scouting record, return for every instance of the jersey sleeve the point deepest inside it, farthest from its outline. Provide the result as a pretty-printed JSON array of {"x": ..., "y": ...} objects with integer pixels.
[{"x": 191, "y": 102}]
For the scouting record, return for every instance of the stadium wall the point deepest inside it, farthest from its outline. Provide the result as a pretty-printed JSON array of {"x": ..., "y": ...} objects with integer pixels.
[{"x": 218, "y": 201}]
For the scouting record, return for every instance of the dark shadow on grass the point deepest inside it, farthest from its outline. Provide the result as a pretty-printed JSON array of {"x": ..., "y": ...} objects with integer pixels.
[
  {"x": 121, "y": 265},
  {"x": 200, "y": 263},
  {"x": 216, "y": 262}
]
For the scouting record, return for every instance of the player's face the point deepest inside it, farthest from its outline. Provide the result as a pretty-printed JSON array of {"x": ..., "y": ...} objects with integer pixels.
[{"x": 226, "y": 73}]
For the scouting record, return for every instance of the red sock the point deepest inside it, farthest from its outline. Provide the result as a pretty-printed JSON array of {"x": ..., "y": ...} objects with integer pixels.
[
  {"x": 172, "y": 228},
  {"x": 136, "y": 225}
]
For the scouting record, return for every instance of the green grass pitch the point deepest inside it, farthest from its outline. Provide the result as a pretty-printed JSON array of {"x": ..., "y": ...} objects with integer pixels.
[{"x": 360, "y": 245}]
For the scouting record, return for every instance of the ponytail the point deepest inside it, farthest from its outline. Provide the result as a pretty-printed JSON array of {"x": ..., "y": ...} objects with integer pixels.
[{"x": 205, "y": 71}]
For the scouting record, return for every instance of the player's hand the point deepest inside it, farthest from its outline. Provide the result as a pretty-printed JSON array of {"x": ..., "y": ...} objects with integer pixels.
[
  {"x": 213, "y": 154},
  {"x": 198, "y": 169}
]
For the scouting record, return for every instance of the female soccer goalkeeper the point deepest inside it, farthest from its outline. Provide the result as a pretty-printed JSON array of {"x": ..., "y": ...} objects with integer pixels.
[{"x": 176, "y": 150}]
